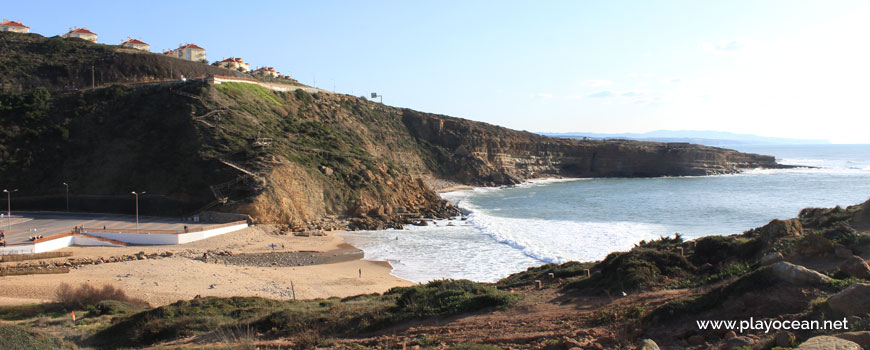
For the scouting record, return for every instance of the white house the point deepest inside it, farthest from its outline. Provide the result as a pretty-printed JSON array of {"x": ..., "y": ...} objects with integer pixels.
[
  {"x": 189, "y": 52},
  {"x": 234, "y": 63},
  {"x": 136, "y": 44},
  {"x": 82, "y": 33},
  {"x": 267, "y": 71},
  {"x": 12, "y": 26}
]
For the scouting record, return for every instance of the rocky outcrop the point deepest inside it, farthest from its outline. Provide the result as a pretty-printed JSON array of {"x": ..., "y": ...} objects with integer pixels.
[
  {"x": 856, "y": 267},
  {"x": 798, "y": 275},
  {"x": 483, "y": 154},
  {"x": 828, "y": 343},
  {"x": 854, "y": 300}
]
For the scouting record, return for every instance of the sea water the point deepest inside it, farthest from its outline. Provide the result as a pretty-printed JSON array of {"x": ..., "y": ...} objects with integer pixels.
[{"x": 553, "y": 221}]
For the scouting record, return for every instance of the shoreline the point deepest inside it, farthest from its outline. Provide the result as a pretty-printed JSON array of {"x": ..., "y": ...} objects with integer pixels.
[{"x": 309, "y": 267}]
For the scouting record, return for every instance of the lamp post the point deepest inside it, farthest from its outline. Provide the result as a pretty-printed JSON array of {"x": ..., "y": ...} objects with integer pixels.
[
  {"x": 9, "y": 201},
  {"x": 137, "y": 208},
  {"x": 67, "y": 195}
]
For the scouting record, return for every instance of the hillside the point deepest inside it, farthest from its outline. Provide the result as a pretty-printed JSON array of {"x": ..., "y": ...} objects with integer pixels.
[{"x": 284, "y": 157}]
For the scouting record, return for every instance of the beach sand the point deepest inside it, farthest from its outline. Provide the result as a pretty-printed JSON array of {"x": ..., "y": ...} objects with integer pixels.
[{"x": 166, "y": 280}]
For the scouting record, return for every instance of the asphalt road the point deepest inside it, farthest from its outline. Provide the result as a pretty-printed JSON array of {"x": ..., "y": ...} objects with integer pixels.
[{"x": 23, "y": 225}]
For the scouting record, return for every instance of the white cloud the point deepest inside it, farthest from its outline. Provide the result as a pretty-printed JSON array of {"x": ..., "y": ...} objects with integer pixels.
[{"x": 544, "y": 95}]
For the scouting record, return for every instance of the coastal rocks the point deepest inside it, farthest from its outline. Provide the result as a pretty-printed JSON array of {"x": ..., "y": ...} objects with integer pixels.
[
  {"x": 784, "y": 339},
  {"x": 861, "y": 338},
  {"x": 827, "y": 343},
  {"x": 648, "y": 344},
  {"x": 696, "y": 340},
  {"x": 856, "y": 267},
  {"x": 854, "y": 300},
  {"x": 771, "y": 258},
  {"x": 778, "y": 229},
  {"x": 814, "y": 245},
  {"x": 738, "y": 342},
  {"x": 797, "y": 275},
  {"x": 842, "y": 252}
]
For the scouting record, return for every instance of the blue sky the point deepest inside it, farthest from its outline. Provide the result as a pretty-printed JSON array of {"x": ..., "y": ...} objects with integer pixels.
[{"x": 795, "y": 69}]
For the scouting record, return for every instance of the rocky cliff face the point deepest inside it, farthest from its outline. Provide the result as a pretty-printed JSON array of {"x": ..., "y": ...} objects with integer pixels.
[{"x": 483, "y": 154}]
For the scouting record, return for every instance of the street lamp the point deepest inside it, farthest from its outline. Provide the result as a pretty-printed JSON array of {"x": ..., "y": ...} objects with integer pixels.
[
  {"x": 67, "y": 195},
  {"x": 137, "y": 208},
  {"x": 9, "y": 201}
]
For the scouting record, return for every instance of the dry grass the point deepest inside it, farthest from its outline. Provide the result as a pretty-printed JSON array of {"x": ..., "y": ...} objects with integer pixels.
[{"x": 87, "y": 295}]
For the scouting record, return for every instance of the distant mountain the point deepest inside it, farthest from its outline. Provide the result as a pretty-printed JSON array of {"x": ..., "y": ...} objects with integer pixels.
[{"x": 702, "y": 137}]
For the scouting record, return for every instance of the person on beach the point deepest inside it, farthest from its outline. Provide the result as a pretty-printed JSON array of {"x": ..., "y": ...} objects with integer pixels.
[{"x": 360, "y": 273}]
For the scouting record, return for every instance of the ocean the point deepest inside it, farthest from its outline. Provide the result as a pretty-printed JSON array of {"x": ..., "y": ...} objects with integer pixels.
[{"x": 553, "y": 221}]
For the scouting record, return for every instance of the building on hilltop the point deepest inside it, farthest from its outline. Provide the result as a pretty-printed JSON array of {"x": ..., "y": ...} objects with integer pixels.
[
  {"x": 82, "y": 33},
  {"x": 189, "y": 52},
  {"x": 12, "y": 26},
  {"x": 136, "y": 44},
  {"x": 267, "y": 71},
  {"x": 234, "y": 63}
]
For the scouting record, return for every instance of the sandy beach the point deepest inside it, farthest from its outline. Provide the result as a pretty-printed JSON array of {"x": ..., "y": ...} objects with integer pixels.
[{"x": 183, "y": 276}]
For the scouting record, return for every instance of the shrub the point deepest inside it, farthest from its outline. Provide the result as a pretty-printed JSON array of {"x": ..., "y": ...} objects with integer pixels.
[{"x": 87, "y": 295}]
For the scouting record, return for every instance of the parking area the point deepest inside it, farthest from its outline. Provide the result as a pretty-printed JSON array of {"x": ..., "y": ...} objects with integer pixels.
[{"x": 23, "y": 225}]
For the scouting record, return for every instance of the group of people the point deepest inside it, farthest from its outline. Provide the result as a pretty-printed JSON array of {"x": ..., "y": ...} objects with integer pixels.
[{"x": 2, "y": 238}]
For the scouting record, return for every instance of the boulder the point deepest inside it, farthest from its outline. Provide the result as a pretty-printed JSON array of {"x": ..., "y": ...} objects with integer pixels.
[
  {"x": 771, "y": 258},
  {"x": 784, "y": 339},
  {"x": 779, "y": 228},
  {"x": 861, "y": 338},
  {"x": 648, "y": 344},
  {"x": 825, "y": 342},
  {"x": 797, "y": 275},
  {"x": 729, "y": 335},
  {"x": 738, "y": 342},
  {"x": 697, "y": 339},
  {"x": 856, "y": 267},
  {"x": 851, "y": 301},
  {"x": 842, "y": 252}
]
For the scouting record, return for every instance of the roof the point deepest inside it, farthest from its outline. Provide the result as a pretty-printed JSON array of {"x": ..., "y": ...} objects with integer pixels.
[
  {"x": 233, "y": 59},
  {"x": 13, "y": 24},
  {"x": 191, "y": 46},
  {"x": 134, "y": 41}
]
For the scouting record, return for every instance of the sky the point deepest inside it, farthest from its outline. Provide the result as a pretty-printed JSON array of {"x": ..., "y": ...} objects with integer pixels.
[{"x": 779, "y": 68}]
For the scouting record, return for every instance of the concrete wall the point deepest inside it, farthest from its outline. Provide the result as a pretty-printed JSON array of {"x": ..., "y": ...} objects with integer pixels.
[
  {"x": 90, "y": 241},
  {"x": 17, "y": 249},
  {"x": 166, "y": 238},
  {"x": 53, "y": 244}
]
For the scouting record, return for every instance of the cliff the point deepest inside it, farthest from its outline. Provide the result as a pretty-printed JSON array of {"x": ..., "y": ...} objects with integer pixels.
[{"x": 285, "y": 157}]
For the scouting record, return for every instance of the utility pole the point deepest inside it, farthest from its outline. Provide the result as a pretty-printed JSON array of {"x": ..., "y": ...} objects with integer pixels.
[
  {"x": 9, "y": 202},
  {"x": 93, "y": 81},
  {"x": 67, "y": 195},
  {"x": 137, "y": 208}
]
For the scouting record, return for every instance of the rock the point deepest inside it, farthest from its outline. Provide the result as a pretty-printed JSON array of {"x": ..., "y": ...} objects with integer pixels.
[
  {"x": 828, "y": 343},
  {"x": 797, "y": 275},
  {"x": 648, "y": 344},
  {"x": 854, "y": 300},
  {"x": 771, "y": 258},
  {"x": 696, "y": 339},
  {"x": 729, "y": 335},
  {"x": 326, "y": 170},
  {"x": 784, "y": 339},
  {"x": 856, "y": 267},
  {"x": 861, "y": 338},
  {"x": 779, "y": 228},
  {"x": 842, "y": 252},
  {"x": 738, "y": 342}
]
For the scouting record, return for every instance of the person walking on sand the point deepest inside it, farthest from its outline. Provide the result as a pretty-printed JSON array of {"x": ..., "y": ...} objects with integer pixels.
[{"x": 360, "y": 273}]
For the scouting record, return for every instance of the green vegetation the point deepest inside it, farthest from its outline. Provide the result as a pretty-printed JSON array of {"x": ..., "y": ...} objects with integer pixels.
[
  {"x": 638, "y": 269},
  {"x": 17, "y": 337},
  {"x": 566, "y": 270},
  {"x": 238, "y": 89},
  {"x": 308, "y": 318},
  {"x": 757, "y": 280}
]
